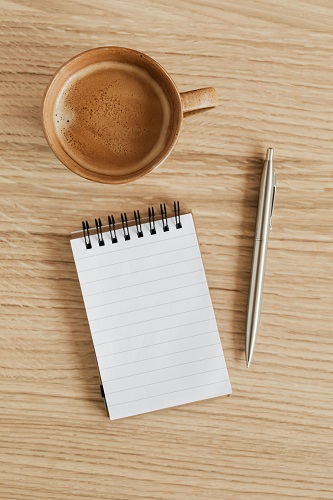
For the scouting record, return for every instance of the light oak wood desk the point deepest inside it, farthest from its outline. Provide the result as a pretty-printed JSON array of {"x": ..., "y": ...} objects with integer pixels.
[{"x": 271, "y": 63}]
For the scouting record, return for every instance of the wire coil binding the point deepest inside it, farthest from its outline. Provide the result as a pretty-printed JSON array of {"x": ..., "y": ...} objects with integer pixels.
[
  {"x": 138, "y": 224},
  {"x": 98, "y": 224},
  {"x": 164, "y": 216},
  {"x": 151, "y": 216},
  {"x": 177, "y": 215},
  {"x": 124, "y": 223},
  {"x": 114, "y": 237},
  {"x": 112, "y": 228},
  {"x": 86, "y": 235}
]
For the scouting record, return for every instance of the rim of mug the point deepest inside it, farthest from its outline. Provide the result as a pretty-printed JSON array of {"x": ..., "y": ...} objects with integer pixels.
[{"x": 76, "y": 167}]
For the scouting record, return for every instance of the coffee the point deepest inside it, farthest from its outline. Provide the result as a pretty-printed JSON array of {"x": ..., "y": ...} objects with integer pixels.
[
  {"x": 113, "y": 114},
  {"x": 112, "y": 117}
]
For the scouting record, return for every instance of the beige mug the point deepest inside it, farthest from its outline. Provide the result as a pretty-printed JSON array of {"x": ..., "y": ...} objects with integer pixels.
[{"x": 113, "y": 114}]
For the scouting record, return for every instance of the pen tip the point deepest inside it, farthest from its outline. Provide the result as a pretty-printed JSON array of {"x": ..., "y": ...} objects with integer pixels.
[
  {"x": 269, "y": 155},
  {"x": 248, "y": 364}
]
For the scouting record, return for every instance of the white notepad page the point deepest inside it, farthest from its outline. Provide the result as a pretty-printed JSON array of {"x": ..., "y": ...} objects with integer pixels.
[{"x": 151, "y": 319}]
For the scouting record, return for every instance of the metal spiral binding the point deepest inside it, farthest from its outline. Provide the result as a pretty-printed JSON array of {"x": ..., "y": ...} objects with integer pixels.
[
  {"x": 124, "y": 223},
  {"x": 98, "y": 224},
  {"x": 151, "y": 216},
  {"x": 85, "y": 227},
  {"x": 164, "y": 216},
  {"x": 138, "y": 224},
  {"x": 177, "y": 215},
  {"x": 112, "y": 228}
]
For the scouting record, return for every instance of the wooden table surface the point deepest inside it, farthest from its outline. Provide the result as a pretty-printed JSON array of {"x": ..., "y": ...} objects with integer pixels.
[{"x": 271, "y": 63}]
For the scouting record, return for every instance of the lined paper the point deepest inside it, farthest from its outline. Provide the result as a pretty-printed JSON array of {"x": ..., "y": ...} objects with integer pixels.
[{"x": 151, "y": 319}]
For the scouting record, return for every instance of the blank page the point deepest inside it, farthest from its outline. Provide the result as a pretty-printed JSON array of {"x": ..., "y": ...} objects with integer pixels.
[{"x": 151, "y": 319}]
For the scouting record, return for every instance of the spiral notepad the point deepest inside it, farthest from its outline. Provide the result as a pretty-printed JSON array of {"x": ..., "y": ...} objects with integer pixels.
[{"x": 150, "y": 313}]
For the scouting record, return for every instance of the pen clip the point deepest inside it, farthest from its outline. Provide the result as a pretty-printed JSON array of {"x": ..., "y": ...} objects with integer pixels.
[{"x": 273, "y": 201}]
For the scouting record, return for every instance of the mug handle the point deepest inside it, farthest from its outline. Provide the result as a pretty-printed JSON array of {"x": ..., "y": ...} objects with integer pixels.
[{"x": 199, "y": 100}]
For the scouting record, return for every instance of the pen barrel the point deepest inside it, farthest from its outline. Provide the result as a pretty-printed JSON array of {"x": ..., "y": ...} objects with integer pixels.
[
  {"x": 265, "y": 201},
  {"x": 255, "y": 295}
]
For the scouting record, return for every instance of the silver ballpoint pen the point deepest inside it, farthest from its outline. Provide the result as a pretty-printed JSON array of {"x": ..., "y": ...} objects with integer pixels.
[{"x": 263, "y": 226}]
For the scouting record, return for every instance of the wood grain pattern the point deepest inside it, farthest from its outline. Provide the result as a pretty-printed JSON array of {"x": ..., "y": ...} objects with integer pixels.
[{"x": 271, "y": 63}]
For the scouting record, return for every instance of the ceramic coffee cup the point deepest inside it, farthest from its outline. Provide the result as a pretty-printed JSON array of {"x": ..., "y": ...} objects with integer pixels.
[{"x": 113, "y": 114}]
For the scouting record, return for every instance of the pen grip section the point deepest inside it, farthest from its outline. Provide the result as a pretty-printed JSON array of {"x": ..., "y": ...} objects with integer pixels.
[{"x": 255, "y": 294}]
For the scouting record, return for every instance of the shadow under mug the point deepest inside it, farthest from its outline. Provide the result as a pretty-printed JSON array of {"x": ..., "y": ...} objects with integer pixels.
[{"x": 180, "y": 104}]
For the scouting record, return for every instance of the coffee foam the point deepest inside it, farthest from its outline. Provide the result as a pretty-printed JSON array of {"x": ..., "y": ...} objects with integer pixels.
[{"x": 112, "y": 117}]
